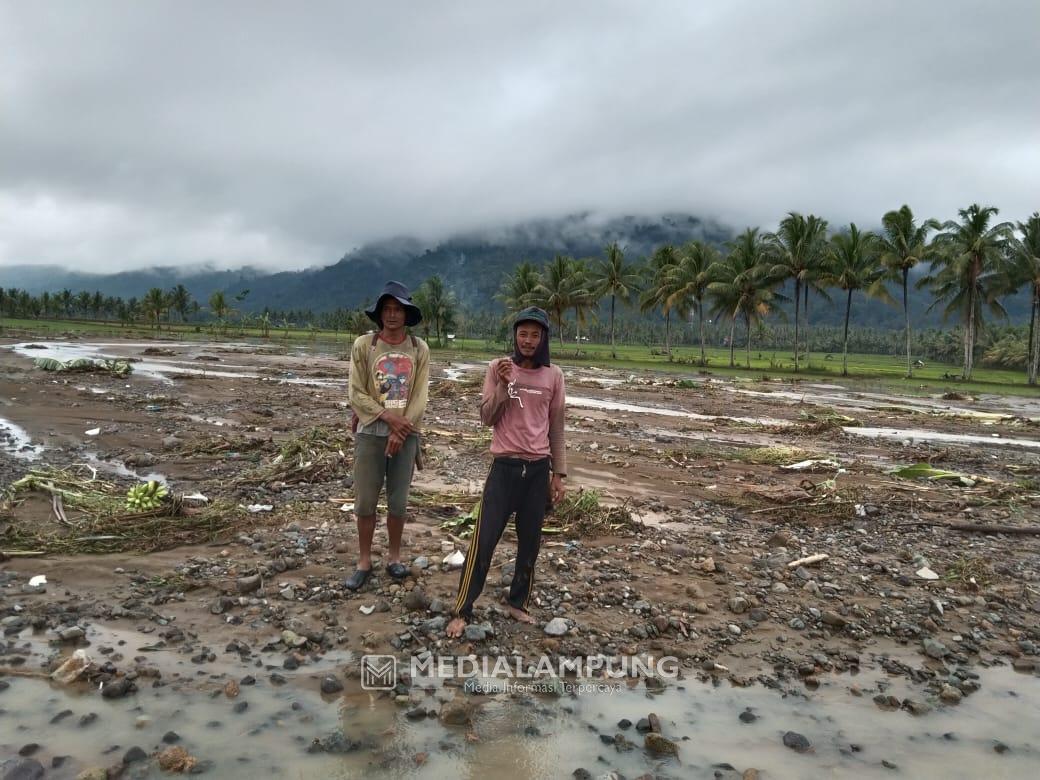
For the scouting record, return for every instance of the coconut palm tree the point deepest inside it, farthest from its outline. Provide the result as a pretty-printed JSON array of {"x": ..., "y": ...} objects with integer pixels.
[
  {"x": 180, "y": 301},
  {"x": 583, "y": 296},
  {"x": 690, "y": 280},
  {"x": 904, "y": 244},
  {"x": 437, "y": 304},
  {"x": 969, "y": 271},
  {"x": 555, "y": 290},
  {"x": 613, "y": 277},
  {"x": 853, "y": 263},
  {"x": 1025, "y": 270},
  {"x": 659, "y": 290},
  {"x": 798, "y": 246},
  {"x": 154, "y": 304},
  {"x": 743, "y": 284}
]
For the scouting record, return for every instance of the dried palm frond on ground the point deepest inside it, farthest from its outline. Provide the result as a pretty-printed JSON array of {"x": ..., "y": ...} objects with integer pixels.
[
  {"x": 318, "y": 455},
  {"x": 580, "y": 514},
  {"x": 219, "y": 444},
  {"x": 969, "y": 570}
]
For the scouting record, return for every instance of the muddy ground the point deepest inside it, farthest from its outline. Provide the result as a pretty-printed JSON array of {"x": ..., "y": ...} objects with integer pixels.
[{"x": 694, "y": 561}]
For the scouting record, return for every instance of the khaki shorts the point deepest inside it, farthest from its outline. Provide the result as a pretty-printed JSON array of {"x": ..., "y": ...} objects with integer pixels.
[{"x": 372, "y": 468}]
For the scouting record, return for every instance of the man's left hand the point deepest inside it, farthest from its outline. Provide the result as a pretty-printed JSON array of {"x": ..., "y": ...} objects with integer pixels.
[{"x": 557, "y": 489}]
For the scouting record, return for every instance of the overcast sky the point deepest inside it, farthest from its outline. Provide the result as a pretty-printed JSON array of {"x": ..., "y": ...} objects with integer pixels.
[{"x": 282, "y": 134}]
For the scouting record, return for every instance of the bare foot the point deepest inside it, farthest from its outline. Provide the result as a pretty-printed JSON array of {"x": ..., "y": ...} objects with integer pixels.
[
  {"x": 455, "y": 628},
  {"x": 519, "y": 615}
]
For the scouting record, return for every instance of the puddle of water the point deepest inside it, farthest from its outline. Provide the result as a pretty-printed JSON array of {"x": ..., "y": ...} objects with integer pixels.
[
  {"x": 15, "y": 440},
  {"x": 618, "y": 406},
  {"x": 122, "y": 470},
  {"x": 919, "y": 436},
  {"x": 161, "y": 369},
  {"x": 528, "y": 736}
]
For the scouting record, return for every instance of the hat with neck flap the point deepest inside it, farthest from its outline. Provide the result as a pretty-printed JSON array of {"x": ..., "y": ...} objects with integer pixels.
[{"x": 536, "y": 315}]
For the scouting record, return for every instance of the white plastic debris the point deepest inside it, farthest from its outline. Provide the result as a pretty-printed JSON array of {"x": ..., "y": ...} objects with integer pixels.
[
  {"x": 255, "y": 508},
  {"x": 37, "y": 581},
  {"x": 366, "y": 609},
  {"x": 455, "y": 560},
  {"x": 347, "y": 508},
  {"x": 815, "y": 464},
  {"x": 195, "y": 498},
  {"x": 73, "y": 667},
  {"x": 861, "y": 511},
  {"x": 92, "y": 432},
  {"x": 926, "y": 574}
]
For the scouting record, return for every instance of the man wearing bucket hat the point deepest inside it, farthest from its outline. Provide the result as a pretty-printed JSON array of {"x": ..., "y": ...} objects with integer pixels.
[
  {"x": 523, "y": 401},
  {"x": 389, "y": 378}
]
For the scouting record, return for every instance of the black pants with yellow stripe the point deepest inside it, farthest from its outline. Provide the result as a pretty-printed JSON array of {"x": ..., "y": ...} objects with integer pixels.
[{"x": 513, "y": 486}]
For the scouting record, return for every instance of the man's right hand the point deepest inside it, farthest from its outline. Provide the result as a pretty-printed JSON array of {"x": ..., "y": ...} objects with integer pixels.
[
  {"x": 399, "y": 424},
  {"x": 504, "y": 371}
]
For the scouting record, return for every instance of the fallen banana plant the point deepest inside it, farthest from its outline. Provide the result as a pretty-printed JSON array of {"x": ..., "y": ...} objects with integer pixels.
[{"x": 928, "y": 472}]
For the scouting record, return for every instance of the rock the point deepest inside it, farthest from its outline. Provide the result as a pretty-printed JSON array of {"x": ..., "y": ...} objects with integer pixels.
[
  {"x": 624, "y": 724},
  {"x": 749, "y": 774},
  {"x": 292, "y": 639},
  {"x": 556, "y": 627},
  {"x": 950, "y": 695},
  {"x": 796, "y": 742},
  {"x": 658, "y": 743},
  {"x": 71, "y": 633},
  {"x": 248, "y": 584},
  {"x": 177, "y": 759},
  {"x": 694, "y": 591},
  {"x": 422, "y": 562},
  {"x": 457, "y": 712},
  {"x": 833, "y": 619},
  {"x": 134, "y": 755},
  {"x": 29, "y": 750},
  {"x": 171, "y": 443},
  {"x": 779, "y": 588},
  {"x": 747, "y": 716},
  {"x": 926, "y": 574},
  {"x": 117, "y": 689},
  {"x": 330, "y": 685},
  {"x": 916, "y": 707},
  {"x": 171, "y": 737},
  {"x": 1023, "y": 664},
  {"x": 94, "y": 773},
  {"x": 1000, "y": 747},
  {"x": 643, "y": 725},
  {"x": 416, "y": 600},
  {"x": 780, "y": 538},
  {"x": 22, "y": 769},
  {"x": 707, "y": 565},
  {"x": 474, "y": 633},
  {"x": 738, "y": 604},
  {"x": 655, "y": 722},
  {"x": 935, "y": 649}
]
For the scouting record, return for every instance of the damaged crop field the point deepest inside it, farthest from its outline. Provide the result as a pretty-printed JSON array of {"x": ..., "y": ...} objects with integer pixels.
[{"x": 197, "y": 500}]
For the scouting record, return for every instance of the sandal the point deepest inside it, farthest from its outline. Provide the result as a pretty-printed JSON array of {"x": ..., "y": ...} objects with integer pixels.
[
  {"x": 397, "y": 570},
  {"x": 357, "y": 579}
]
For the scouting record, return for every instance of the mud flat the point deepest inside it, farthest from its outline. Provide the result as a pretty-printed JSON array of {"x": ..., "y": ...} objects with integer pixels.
[{"x": 912, "y": 646}]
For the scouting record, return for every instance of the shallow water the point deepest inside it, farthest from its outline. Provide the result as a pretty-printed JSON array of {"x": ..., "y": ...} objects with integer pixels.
[
  {"x": 16, "y": 441},
  {"x": 530, "y": 736},
  {"x": 618, "y": 406},
  {"x": 918, "y": 436}
]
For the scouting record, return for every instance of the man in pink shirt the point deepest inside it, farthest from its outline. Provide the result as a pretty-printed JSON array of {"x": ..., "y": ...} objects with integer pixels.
[{"x": 523, "y": 401}]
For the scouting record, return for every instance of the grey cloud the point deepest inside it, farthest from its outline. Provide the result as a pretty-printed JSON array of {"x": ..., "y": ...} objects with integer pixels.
[{"x": 278, "y": 134}]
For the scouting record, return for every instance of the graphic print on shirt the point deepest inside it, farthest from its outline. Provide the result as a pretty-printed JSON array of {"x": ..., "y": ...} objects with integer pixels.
[{"x": 393, "y": 375}]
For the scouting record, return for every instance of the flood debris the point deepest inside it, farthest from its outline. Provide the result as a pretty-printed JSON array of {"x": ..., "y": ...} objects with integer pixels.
[
  {"x": 91, "y": 515},
  {"x": 929, "y": 472},
  {"x": 85, "y": 365}
]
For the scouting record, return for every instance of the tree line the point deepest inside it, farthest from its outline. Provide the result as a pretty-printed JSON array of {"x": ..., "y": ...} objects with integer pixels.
[
  {"x": 753, "y": 281},
  {"x": 973, "y": 263}
]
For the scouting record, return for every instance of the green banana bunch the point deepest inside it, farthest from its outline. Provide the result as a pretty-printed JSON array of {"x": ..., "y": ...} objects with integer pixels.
[{"x": 145, "y": 496}]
